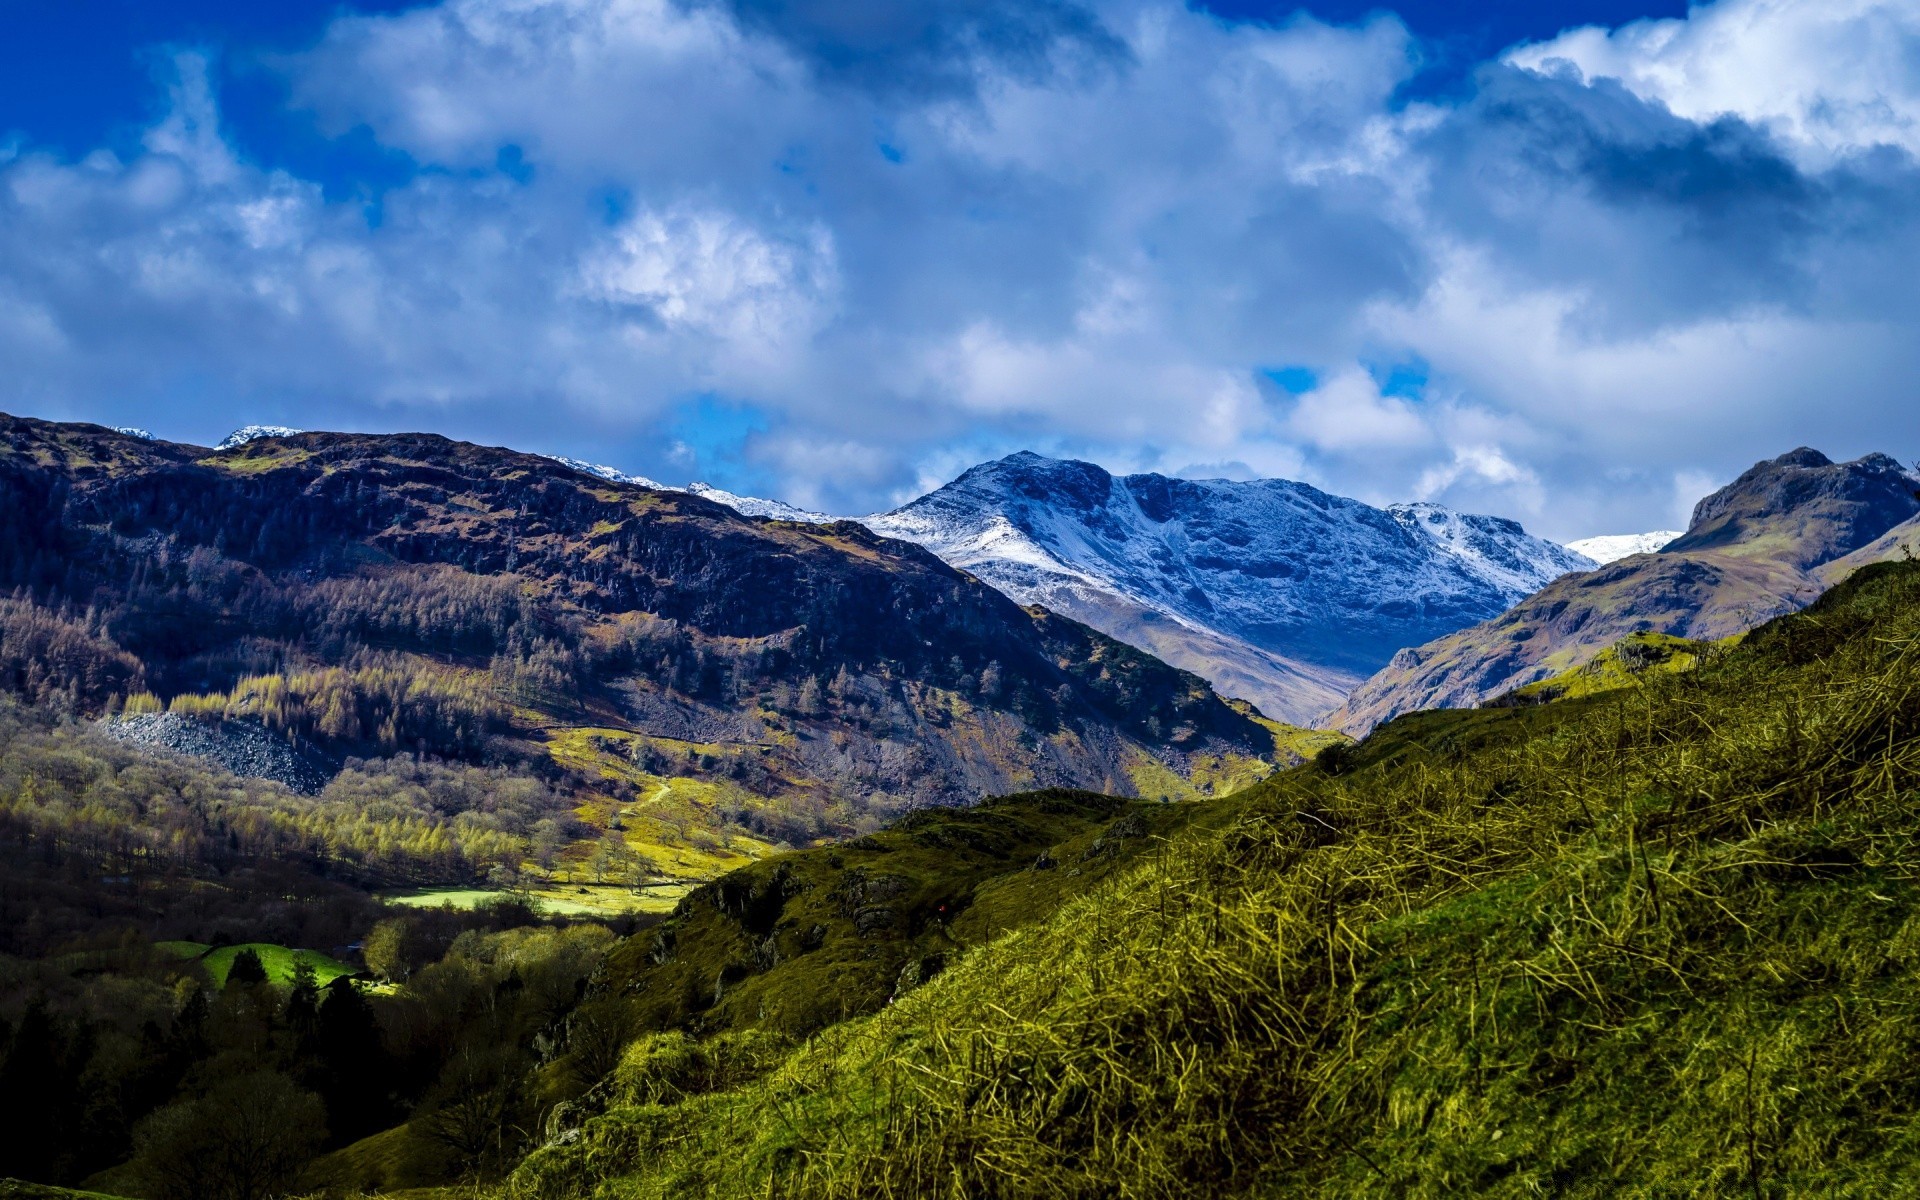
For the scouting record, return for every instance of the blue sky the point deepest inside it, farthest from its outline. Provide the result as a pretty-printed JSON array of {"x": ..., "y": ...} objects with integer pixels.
[{"x": 1570, "y": 262}]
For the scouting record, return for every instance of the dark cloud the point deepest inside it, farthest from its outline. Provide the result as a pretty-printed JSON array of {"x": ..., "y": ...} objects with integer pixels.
[{"x": 934, "y": 47}]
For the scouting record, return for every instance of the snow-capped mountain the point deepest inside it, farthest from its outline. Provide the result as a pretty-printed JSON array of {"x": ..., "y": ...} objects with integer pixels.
[
  {"x": 1274, "y": 591},
  {"x": 1613, "y": 547},
  {"x": 248, "y": 433},
  {"x": 145, "y": 435},
  {"x": 748, "y": 506}
]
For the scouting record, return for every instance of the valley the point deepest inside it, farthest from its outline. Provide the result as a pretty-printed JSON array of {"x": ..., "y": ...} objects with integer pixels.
[{"x": 504, "y": 828}]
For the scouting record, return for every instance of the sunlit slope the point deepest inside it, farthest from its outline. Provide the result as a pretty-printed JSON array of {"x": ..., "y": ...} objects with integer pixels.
[{"x": 1659, "y": 941}]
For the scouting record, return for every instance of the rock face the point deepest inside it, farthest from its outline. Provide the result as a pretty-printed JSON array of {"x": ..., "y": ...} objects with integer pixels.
[
  {"x": 411, "y": 594},
  {"x": 1276, "y": 592},
  {"x": 1766, "y": 544},
  {"x": 1803, "y": 509}
]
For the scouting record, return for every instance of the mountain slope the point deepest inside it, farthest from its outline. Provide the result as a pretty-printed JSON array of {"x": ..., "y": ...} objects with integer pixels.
[
  {"x": 1751, "y": 553},
  {"x": 1901, "y": 543},
  {"x": 1275, "y": 591},
  {"x": 675, "y": 661},
  {"x": 1659, "y": 942}
]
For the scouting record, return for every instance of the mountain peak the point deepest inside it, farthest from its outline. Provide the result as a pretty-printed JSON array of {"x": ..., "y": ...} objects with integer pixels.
[
  {"x": 1275, "y": 591},
  {"x": 1803, "y": 508},
  {"x": 1805, "y": 456}
]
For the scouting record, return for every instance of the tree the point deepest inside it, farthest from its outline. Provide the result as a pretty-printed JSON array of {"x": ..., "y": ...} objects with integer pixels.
[
  {"x": 302, "y": 1013},
  {"x": 247, "y": 1138},
  {"x": 247, "y": 969},
  {"x": 479, "y": 1108},
  {"x": 393, "y": 949},
  {"x": 354, "y": 1066}
]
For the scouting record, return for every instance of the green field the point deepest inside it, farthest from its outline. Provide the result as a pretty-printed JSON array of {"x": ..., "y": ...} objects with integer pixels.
[
  {"x": 578, "y": 901},
  {"x": 278, "y": 960}
]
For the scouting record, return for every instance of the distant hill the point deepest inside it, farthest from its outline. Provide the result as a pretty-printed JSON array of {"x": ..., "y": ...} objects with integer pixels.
[
  {"x": 1276, "y": 592},
  {"x": 407, "y": 594},
  {"x": 1754, "y": 550}
]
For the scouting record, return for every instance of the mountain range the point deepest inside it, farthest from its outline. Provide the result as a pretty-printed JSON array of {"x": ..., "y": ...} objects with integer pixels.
[
  {"x": 1276, "y": 592},
  {"x": 1766, "y": 544},
  {"x": 1307, "y": 604},
  {"x": 367, "y": 596}
]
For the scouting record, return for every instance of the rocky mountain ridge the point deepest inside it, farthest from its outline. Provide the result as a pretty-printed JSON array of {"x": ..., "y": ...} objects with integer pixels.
[
  {"x": 410, "y": 594},
  {"x": 1767, "y": 544}
]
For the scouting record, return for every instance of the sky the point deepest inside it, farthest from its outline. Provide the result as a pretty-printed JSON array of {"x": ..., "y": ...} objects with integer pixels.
[{"x": 1573, "y": 262}]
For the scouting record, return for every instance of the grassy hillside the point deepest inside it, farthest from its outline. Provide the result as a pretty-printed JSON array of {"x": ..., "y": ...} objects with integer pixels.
[
  {"x": 1657, "y": 941},
  {"x": 1624, "y": 664},
  {"x": 279, "y": 961},
  {"x": 14, "y": 1189},
  {"x": 805, "y": 939}
]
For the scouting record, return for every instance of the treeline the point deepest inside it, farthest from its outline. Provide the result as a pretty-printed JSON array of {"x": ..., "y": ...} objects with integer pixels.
[
  {"x": 69, "y": 793},
  {"x": 61, "y": 659},
  {"x": 388, "y": 705},
  {"x": 141, "y": 1068}
]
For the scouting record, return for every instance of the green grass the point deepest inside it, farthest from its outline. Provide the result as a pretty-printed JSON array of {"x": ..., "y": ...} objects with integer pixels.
[
  {"x": 566, "y": 900},
  {"x": 1625, "y": 664},
  {"x": 279, "y": 961},
  {"x": 1659, "y": 942},
  {"x": 14, "y": 1189},
  {"x": 803, "y": 939}
]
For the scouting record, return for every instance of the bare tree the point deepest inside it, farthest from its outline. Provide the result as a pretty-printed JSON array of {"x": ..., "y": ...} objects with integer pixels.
[{"x": 245, "y": 1139}]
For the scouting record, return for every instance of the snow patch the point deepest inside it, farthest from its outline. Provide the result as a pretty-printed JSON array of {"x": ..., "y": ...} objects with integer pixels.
[
  {"x": 747, "y": 506},
  {"x": 1613, "y": 547},
  {"x": 252, "y": 433}
]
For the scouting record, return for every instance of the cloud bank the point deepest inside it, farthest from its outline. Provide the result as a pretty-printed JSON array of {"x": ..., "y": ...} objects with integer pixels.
[{"x": 837, "y": 251}]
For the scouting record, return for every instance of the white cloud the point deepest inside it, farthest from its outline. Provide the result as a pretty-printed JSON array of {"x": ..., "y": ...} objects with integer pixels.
[
  {"x": 1830, "y": 77},
  {"x": 710, "y": 275},
  {"x": 1348, "y": 414},
  {"x": 1102, "y": 259}
]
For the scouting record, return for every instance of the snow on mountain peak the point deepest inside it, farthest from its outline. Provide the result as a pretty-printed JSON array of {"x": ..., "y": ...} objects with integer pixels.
[
  {"x": 249, "y": 433},
  {"x": 145, "y": 435},
  {"x": 1278, "y": 592},
  {"x": 1616, "y": 546},
  {"x": 1494, "y": 548}
]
